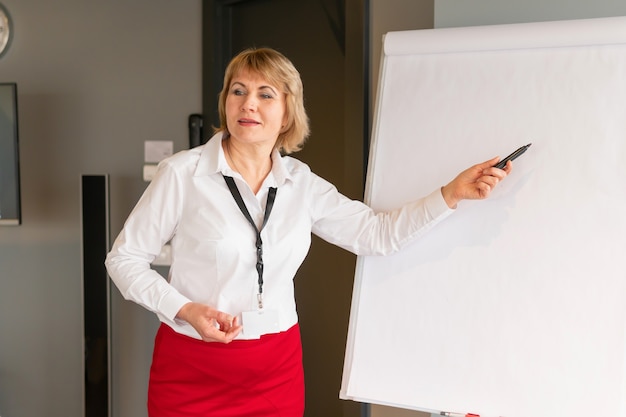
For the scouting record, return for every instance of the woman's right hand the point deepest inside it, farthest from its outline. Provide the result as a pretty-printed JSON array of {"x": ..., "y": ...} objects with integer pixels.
[
  {"x": 212, "y": 325},
  {"x": 475, "y": 183}
]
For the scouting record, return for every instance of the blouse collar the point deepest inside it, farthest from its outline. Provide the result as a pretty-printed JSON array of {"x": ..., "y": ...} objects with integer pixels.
[{"x": 213, "y": 160}]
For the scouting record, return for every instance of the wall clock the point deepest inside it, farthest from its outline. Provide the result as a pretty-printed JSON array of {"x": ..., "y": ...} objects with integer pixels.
[{"x": 6, "y": 29}]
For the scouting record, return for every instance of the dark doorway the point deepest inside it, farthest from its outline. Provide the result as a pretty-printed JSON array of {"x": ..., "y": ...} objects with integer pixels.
[{"x": 327, "y": 40}]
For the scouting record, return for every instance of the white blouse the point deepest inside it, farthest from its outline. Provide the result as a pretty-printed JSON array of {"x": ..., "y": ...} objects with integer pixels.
[{"x": 213, "y": 245}]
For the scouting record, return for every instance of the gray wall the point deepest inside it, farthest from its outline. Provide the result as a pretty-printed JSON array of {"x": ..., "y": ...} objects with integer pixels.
[
  {"x": 450, "y": 13},
  {"x": 95, "y": 80}
]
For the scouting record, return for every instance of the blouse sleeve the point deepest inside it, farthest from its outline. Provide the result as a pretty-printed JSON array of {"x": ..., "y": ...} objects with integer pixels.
[
  {"x": 355, "y": 227},
  {"x": 150, "y": 225}
]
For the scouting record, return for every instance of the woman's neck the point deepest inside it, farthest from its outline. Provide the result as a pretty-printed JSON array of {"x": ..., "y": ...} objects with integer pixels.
[{"x": 254, "y": 164}]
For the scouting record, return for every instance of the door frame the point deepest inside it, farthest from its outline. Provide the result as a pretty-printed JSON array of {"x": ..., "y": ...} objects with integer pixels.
[{"x": 217, "y": 51}]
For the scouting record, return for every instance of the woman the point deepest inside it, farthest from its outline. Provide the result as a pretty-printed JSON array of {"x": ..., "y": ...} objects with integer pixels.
[{"x": 239, "y": 217}]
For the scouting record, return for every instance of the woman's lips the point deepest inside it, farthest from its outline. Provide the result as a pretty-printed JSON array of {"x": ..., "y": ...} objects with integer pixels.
[{"x": 248, "y": 122}]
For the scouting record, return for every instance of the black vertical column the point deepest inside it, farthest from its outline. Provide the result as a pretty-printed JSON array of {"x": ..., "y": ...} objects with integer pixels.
[{"x": 95, "y": 245}]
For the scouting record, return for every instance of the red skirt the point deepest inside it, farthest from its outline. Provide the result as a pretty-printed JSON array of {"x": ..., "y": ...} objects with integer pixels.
[{"x": 255, "y": 378}]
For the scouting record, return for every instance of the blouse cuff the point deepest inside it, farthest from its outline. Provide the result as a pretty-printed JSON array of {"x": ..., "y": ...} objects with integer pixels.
[
  {"x": 436, "y": 204},
  {"x": 171, "y": 304}
]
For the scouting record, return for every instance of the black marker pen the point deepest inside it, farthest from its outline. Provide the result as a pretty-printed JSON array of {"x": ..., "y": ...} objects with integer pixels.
[{"x": 511, "y": 157}]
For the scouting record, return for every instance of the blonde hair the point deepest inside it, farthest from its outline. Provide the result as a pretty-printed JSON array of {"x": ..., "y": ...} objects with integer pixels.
[{"x": 279, "y": 71}]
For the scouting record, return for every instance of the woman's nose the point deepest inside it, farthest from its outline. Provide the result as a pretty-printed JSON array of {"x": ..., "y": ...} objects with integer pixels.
[{"x": 249, "y": 104}]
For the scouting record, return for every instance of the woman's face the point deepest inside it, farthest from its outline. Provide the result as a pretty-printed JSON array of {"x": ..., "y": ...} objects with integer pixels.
[{"x": 255, "y": 109}]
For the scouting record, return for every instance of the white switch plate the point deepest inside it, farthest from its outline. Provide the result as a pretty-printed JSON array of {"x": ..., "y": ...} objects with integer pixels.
[{"x": 157, "y": 150}]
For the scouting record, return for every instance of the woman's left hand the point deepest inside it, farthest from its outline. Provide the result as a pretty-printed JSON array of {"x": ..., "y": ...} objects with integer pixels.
[
  {"x": 212, "y": 325},
  {"x": 475, "y": 183}
]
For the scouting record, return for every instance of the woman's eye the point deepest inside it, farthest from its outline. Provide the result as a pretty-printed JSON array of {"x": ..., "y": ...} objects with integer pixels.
[
  {"x": 238, "y": 92},
  {"x": 266, "y": 96}
]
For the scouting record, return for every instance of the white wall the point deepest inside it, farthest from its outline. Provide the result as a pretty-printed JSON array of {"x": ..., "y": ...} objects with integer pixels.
[{"x": 95, "y": 80}]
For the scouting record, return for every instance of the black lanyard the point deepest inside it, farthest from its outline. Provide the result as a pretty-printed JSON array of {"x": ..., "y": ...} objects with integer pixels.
[{"x": 271, "y": 196}]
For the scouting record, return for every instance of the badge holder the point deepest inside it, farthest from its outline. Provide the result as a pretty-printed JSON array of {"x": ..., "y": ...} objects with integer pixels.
[{"x": 258, "y": 322}]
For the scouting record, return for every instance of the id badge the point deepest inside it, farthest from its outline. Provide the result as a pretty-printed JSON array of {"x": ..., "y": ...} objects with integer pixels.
[{"x": 259, "y": 322}]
